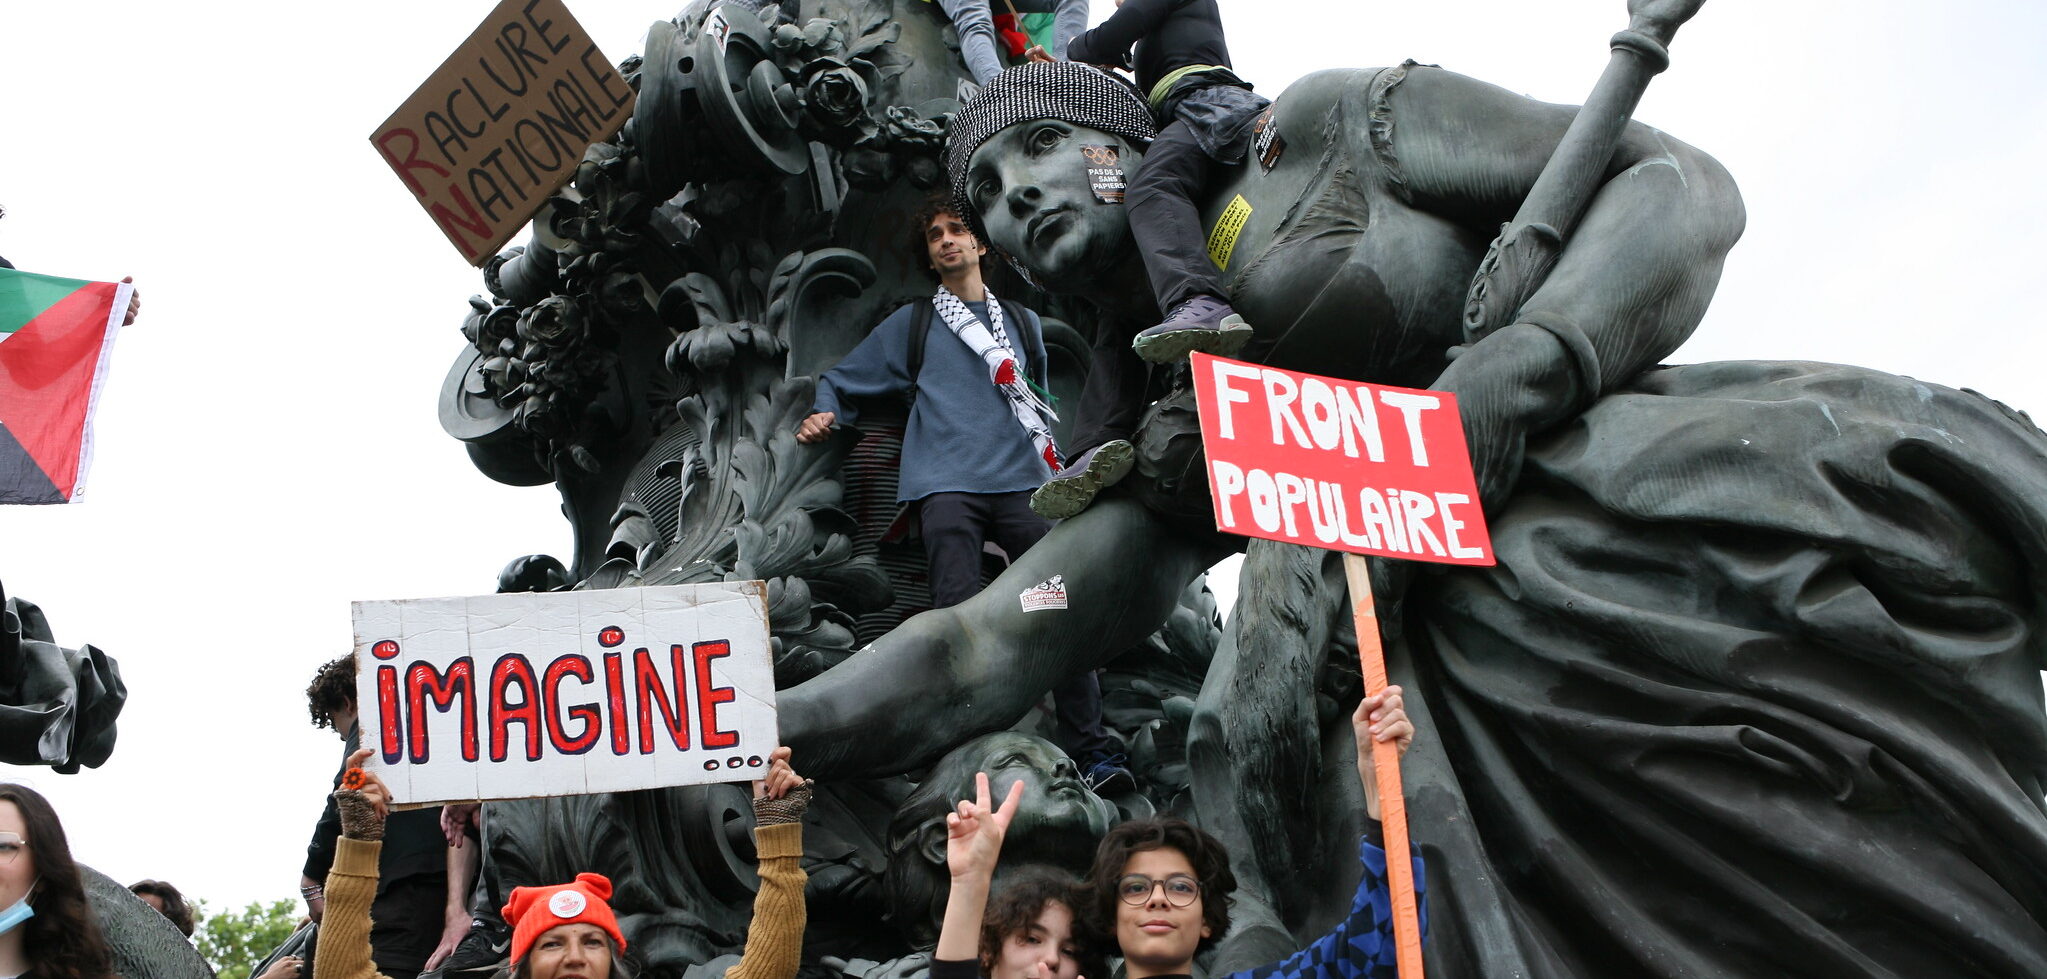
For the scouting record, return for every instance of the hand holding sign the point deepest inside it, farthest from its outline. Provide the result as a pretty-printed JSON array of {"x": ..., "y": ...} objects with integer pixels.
[
  {"x": 362, "y": 800},
  {"x": 780, "y": 779},
  {"x": 1380, "y": 718}
]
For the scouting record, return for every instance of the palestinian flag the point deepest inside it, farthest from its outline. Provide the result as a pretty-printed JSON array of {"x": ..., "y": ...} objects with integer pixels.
[
  {"x": 55, "y": 338},
  {"x": 1018, "y": 32}
]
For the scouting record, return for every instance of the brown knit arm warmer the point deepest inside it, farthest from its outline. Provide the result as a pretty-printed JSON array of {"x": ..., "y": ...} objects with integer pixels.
[
  {"x": 359, "y": 819},
  {"x": 787, "y": 809},
  {"x": 774, "y": 941},
  {"x": 344, "y": 948}
]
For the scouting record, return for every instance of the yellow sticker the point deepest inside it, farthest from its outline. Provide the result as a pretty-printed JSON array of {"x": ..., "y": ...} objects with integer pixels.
[{"x": 1222, "y": 239}]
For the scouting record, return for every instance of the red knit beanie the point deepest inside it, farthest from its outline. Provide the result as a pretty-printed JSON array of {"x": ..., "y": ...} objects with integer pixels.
[{"x": 533, "y": 910}]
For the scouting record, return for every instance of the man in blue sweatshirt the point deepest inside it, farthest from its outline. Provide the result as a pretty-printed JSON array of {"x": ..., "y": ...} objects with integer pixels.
[{"x": 978, "y": 441}]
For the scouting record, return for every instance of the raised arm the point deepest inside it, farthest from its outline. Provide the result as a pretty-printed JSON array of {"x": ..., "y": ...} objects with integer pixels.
[
  {"x": 1361, "y": 946},
  {"x": 344, "y": 948},
  {"x": 774, "y": 939},
  {"x": 1642, "y": 263},
  {"x": 973, "y": 844},
  {"x": 1631, "y": 283}
]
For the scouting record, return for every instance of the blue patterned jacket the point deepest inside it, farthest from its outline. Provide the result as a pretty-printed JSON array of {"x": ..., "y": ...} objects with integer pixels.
[{"x": 1361, "y": 945}]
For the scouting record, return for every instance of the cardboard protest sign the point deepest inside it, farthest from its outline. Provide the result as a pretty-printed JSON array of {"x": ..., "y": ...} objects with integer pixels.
[
  {"x": 564, "y": 693},
  {"x": 1338, "y": 464},
  {"x": 502, "y": 124}
]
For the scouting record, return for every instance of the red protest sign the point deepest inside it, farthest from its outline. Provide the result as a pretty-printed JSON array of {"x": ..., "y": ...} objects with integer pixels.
[{"x": 1338, "y": 464}]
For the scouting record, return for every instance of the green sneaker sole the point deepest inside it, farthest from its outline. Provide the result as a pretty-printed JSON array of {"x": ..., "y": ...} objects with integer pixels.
[
  {"x": 1173, "y": 346},
  {"x": 1058, "y": 499}
]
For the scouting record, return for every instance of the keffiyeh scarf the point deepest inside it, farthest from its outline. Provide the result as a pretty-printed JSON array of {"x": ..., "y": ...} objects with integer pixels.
[{"x": 990, "y": 342}]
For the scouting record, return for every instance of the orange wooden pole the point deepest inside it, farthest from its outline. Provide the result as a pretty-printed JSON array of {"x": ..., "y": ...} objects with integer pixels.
[{"x": 1407, "y": 928}]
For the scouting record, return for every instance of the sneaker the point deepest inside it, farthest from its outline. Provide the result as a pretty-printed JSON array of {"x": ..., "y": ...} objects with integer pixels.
[
  {"x": 1105, "y": 773},
  {"x": 483, "y": 951},
  {"x": 1071, "y": 489},
  {"x": 1202, "y": 324}
]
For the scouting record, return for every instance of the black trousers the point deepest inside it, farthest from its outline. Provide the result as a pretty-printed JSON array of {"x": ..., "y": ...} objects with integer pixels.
[
  {"x": 955, "y": 525},
  {"x": 1113, "y": 398},
  {"x": 1164, "y": 221}
]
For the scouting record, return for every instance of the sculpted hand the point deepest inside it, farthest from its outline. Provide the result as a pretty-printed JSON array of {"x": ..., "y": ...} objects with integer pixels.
[
  {"x": 1379, "y": 718},
  {"x": 815, "y": 428},
  {"x": 362, "y": 800},
  {"x": 973, "y": 834},
  {"x": 1660, "y": 19}
]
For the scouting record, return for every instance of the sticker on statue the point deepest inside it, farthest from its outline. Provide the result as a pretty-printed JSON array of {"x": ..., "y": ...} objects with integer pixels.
[
  {"x": 1104, "y": 172},
  {"x": 1267, "y": 144},
  {"x": 1045, "y": 595}
]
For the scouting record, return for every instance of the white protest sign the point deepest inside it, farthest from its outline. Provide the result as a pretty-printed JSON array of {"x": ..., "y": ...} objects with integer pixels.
[{"x": 564, "y": 693}]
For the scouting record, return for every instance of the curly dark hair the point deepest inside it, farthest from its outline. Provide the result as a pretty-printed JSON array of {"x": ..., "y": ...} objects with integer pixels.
[
  {"x": 174, "y": 906},
  {"x": 1211, "y": 867},
  {"x": 920, "y": 252},
  {"x": 63, "y": 939},
  {"x": 332, "y": 688},
  {"x": 1025, "y": 893}
]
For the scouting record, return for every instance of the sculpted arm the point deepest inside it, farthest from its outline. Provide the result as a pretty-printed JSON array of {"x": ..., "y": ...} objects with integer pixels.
[
  {"x": 1650, "y": 245},
  {"x": 1633, "y": 279},
  {"x": 949, "y": 674}
]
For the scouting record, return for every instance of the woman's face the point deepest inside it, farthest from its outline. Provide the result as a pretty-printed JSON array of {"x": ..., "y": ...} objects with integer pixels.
[
  {"x": 1156, "y": 937},
  {"x": 1047, "y": 947},
  {"x": 1035, "y": 187},
  {"x": 17, "y": 864},
  {"x": 572, "y": 951}
]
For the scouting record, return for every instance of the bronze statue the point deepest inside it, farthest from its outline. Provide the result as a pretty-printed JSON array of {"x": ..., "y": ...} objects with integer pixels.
[{"x": 1751, "y": 622}]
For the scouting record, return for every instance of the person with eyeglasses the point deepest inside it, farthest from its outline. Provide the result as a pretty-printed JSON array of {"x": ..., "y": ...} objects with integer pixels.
[
  {"x": 47, "y": 930},
  {"x": 1161, "y": 886}
]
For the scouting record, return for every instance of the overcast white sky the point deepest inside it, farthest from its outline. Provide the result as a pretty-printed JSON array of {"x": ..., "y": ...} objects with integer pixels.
[{"x": 268, "y": 449}]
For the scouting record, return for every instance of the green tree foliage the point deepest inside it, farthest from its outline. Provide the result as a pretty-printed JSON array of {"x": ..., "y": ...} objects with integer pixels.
[{"x": 234, "y": 941}]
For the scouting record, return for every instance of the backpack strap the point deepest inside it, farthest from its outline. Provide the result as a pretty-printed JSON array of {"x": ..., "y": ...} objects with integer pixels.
[{"x": 920, "y": 331}]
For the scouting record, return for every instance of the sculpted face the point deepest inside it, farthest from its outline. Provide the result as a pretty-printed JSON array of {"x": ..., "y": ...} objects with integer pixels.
[
  {"x": 1030, "y": 184},
  {"x": 1055, "y": 802}
]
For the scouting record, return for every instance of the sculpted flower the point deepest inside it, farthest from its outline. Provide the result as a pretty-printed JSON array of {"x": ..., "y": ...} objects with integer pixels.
[
  {"x": 550, "y": 319},
  {"x": 835, "y": 94}
]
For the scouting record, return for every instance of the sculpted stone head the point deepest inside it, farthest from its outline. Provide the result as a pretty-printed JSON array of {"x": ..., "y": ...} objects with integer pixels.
[
  {"x": 1038, "y": 161},
  {"x": 1058, "y": 821}
]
